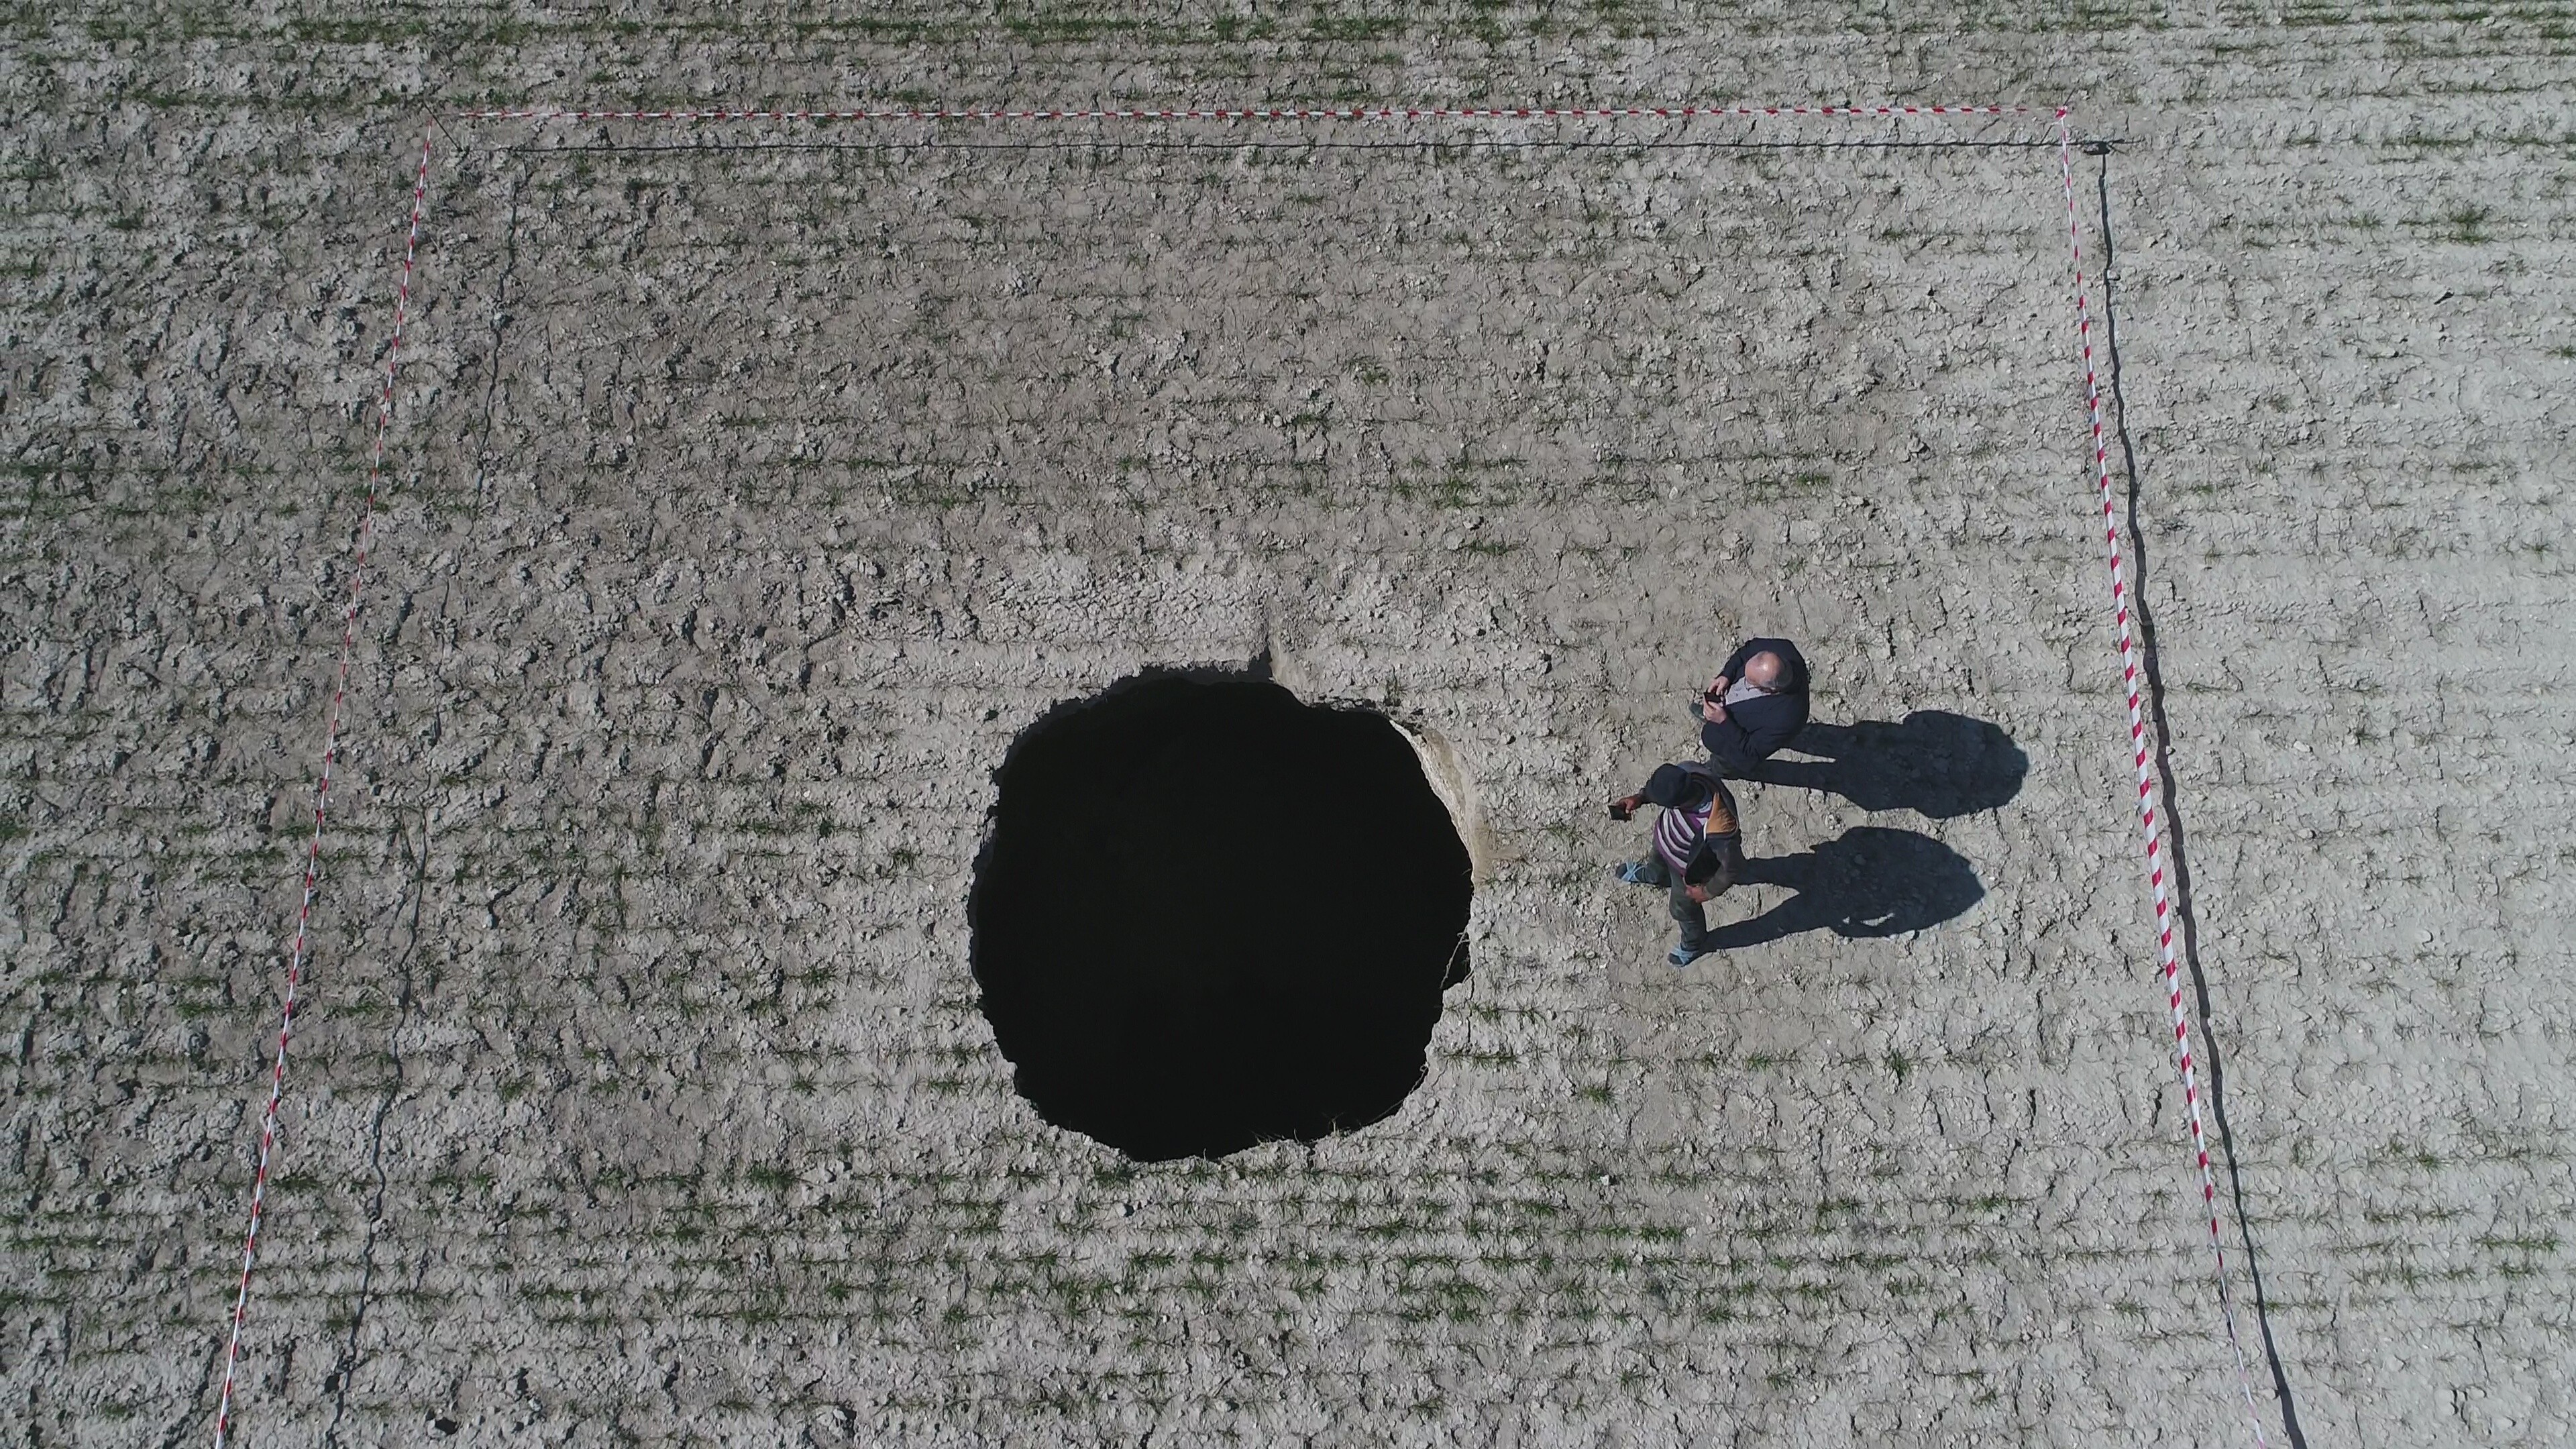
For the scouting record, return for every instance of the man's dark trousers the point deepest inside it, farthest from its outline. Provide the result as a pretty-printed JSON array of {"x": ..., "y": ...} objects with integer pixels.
[{"x": 1688, "y": 913}]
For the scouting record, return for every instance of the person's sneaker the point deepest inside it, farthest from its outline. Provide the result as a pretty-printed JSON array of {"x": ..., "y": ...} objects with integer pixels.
[
  {"x": 1684, "y": 955},
  {"x": 1628, "y": 873}
]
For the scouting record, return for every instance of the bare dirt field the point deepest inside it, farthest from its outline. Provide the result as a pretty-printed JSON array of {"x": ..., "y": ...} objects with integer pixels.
[{"x": 751, "y": 486}]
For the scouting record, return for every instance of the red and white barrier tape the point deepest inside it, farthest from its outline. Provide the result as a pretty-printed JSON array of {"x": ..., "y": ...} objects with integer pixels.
[
  {"x": 321, "y": 802},
  {"x": 1256, "y": 113},
  {"x": 2131, "y": 676}
]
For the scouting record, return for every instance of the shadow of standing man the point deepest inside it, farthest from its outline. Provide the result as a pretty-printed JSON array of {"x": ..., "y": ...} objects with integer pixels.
[
  {"x": 1871, "y": 882},
  {"x": 1935, "y": 763}
]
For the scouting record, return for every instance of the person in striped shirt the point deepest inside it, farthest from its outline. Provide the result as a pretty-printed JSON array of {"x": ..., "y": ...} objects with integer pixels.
[{"x": 1697, "y": 854}]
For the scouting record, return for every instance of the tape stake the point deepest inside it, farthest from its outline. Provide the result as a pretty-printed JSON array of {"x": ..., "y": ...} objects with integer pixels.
[
  {"x": 2141, "y": 742},
  {"x": 296, "y": 954}
]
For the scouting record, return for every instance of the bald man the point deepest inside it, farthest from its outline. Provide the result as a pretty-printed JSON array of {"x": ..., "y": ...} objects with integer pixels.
[{"x": 1757, "y": 704}]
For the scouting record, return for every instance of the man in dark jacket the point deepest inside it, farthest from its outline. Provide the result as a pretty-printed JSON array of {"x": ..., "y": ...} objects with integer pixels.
[
  {"x": 1696, "y": 852},
  {"x": 1757, "y": 704}
]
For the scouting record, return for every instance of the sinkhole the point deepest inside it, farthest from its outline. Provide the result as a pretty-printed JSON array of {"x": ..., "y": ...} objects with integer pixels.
[{"x": 1208, "y": 915}]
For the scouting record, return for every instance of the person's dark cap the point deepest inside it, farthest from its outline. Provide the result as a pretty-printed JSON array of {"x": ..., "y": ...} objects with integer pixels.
[{"x": 1675, "y": 788}]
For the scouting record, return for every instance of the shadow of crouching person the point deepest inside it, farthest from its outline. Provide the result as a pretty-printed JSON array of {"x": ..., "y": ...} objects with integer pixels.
[
  {"x": 1871, "y": 882},
  {"x": 1938, "y": 764}
]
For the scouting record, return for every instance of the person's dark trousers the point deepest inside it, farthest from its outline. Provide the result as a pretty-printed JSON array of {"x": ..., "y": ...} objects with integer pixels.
[{"x": 1688, "y": 913}]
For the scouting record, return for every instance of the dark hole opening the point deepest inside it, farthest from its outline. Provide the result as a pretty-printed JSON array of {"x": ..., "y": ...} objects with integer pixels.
[{"x": 1207, "y": 915}]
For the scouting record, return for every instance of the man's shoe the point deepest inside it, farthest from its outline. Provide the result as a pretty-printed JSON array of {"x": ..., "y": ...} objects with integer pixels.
[
  {"x": 1628, "y": 873},
  {"x": 1684, "y": 955}
]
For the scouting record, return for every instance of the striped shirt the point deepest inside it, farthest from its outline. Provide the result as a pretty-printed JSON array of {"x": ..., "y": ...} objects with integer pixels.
[{"x": 1679, "y": 832}]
